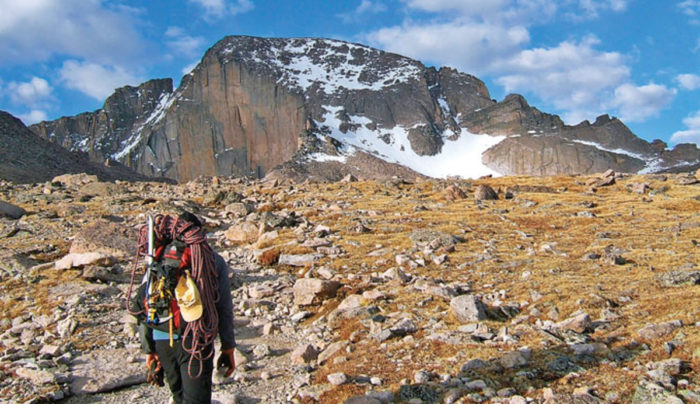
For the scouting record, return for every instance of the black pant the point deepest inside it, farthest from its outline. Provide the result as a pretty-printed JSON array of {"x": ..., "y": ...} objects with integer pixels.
[{"x": 186, "y": 389}]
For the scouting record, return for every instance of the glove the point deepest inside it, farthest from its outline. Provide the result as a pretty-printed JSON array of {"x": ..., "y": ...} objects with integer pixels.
[
  {"x": 154, "y": 372},
  {"x": 226, "y": 360}
]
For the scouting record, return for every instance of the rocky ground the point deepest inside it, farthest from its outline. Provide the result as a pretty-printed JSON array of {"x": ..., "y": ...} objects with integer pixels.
[{"x": 577, "y": 289}]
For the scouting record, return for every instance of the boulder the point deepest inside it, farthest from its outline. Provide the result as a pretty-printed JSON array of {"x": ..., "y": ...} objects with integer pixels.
[
  {"x": 74, "y": 180},
  {"x": 652, "y": 331},
  {"x": 639, "y": 188},
  {"x": 304, "y": 354},
  {"x": 351, "y": 302},
  {"x": 468, "y": 308},
  {"x": 433, "y": 238},
  {"x": 485, "y": 193},
  {"x": 331, "y": 350},
  {"x": 349, "y": 178},
  {"x": 453, "y": 193},
  {"x": 104, "y": 189},
  {"x": 579, "y": 323},
  {"x": 297, "y": 260},
  {"x": 336, "y": 379},
  {"x": 308, "y": 290},
  {"x": 403, "y": 327},
  {"x": 80, "y": 260},
  {"x": 108, "y": 238},
  {"x": 238, "y": 208},
  {"x": 242, "y": 233},
  {"x": 11, "y": 211},
  {"x": 514, "y": 359}
]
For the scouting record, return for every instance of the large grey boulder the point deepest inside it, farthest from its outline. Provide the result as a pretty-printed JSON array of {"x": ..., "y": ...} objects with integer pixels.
[
  {"x": 468, "y": 308},
  {"x": 11, "y": 211},
  {"x": 309, "y": 290},
  {"x": 651, "y": 331},
  {"x": 111, "y": 239}
]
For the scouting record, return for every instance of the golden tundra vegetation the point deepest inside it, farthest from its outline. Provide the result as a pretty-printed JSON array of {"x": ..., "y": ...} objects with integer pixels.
[{"x": 532, "y": 247}]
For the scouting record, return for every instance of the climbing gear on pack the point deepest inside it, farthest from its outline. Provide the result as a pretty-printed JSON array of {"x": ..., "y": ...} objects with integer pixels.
[
  {"x": 163, "y": 281},
  {"x": 201, "y": 332},
  {"x": 154, "y": 372}
]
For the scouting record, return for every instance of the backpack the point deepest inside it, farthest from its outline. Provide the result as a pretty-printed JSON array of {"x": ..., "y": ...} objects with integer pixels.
[{"x": 155, "y": 297}]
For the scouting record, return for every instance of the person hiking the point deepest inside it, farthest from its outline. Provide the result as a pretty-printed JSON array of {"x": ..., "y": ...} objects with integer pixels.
[{"x": 183, "y": 302}]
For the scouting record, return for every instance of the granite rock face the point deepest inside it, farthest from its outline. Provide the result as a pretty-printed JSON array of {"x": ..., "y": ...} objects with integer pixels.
[{"x": 307, "y": 107}]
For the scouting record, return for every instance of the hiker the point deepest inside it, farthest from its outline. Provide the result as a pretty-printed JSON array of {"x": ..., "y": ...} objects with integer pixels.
[{"x": 183, "y": 302}]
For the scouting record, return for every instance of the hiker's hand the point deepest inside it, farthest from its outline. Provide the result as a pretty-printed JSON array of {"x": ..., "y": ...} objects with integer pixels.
[
  {"x": 154, "y": 372},
  {"x": 226, "y": 360},
  {"x": 152, "y": 359}
]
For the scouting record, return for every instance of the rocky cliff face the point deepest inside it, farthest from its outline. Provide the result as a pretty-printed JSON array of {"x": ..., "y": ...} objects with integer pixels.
[
  {"x": 28, "y": 158},
  {"x": 254, "y": 104},
  {"x": 102, "y": 134}
]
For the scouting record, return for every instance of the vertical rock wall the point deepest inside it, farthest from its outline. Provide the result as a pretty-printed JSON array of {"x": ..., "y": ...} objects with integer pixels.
[{"x": 226, "y": 120}]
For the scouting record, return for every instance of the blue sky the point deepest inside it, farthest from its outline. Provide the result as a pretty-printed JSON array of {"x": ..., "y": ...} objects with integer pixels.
[{"x": 638, "y": 60}]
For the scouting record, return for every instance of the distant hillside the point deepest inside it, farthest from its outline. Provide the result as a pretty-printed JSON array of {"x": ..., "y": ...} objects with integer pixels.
[{"x": 28, "y": 158}]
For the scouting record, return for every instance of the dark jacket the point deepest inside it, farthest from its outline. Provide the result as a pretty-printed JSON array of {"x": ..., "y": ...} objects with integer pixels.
[{"x": 224, "y": 308}]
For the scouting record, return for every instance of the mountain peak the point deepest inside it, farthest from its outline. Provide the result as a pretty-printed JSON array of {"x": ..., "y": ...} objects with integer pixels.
[{"x": 254, "y": 104}]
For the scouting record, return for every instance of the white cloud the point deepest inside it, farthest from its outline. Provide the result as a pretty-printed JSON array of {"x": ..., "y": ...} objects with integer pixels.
[
  {"x": 688, "y": 81},
  {"x": 692, "y": 133},
  {"x": 509, "y": 12},
  {"x": 465, "y": 7},
  {"x": 366, "y": 7},
  {"x": 490, "y": 38},
  {"x": 213, "y": 7},
  {"x": 573, "y": 76},
  {"x": 690, "y": 7},
  {"x": 33, "y": 116},
  {"x": 638, "y": 103},
  {"x": 221, "y": 8},
  {"x": 94, "y": 80},
  {"x": 35, "y": 30},
  {"x": 592, "y": 8},
  {"x": 241, "y": 6},
  {"x": 29, "y": 93},
  {"x": 182, "y": 44},
  {"x": 370, "y": 7},
  {"x": 474, "y": 48}
]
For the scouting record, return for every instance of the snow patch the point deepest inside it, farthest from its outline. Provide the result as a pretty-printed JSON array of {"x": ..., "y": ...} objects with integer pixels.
[
  {"x": 164, "y": 103},
  {"x": 616, "y": 151},
  {"x": 444, "y": 106},
  {"x": 651, "y": 164},
  {"x": 461, "y": 157},
  {"x": 83, "y": 144},
  {"x": 322, "y": 158},
  {"x": 327, "y": 64}
]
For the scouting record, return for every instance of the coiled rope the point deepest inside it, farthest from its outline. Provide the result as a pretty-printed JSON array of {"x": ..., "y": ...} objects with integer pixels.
[{"x": 202, "y": 332}]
